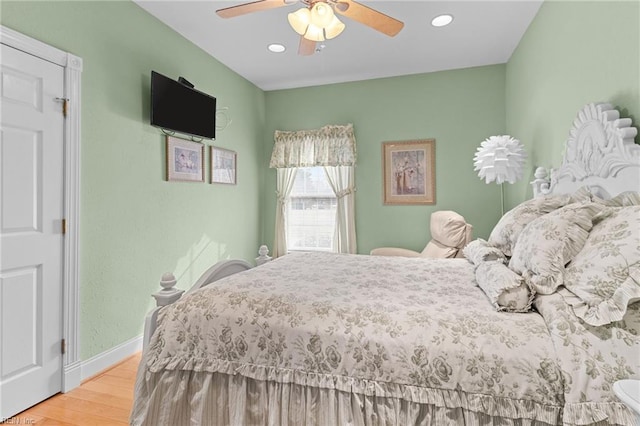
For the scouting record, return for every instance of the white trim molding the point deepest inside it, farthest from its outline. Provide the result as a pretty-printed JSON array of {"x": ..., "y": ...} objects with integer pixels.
[
  {"x": 108, "y": 358},
  {"x": 71, "y": 281},
  {"x": 71, "y": 304}
]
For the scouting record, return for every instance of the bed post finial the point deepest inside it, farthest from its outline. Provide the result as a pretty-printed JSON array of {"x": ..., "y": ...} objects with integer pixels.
[
  {"x": 169, "y": 293},
  {"x": 542, "y": 182},
  {"x": 264, "y": 255}
]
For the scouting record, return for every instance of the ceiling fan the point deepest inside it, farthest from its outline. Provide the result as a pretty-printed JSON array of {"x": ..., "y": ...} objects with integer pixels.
[{"x": 317, "y": 20}]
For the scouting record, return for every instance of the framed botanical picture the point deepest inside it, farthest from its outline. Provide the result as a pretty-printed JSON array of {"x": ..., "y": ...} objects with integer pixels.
[
  {"x": 185, "y": 160},
  {"x": 223, "y": 166},
  {"x": 409, "y": 175}
]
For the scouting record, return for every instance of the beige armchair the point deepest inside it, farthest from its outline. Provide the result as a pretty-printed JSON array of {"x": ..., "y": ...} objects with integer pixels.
[{"x": 449, "y": 234}]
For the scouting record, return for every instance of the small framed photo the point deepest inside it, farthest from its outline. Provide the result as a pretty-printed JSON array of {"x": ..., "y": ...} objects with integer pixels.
[
  {"x": 409, "y": 174},
  {"x": 223, "y": 166},
  {"x": 185, "y": 160}
]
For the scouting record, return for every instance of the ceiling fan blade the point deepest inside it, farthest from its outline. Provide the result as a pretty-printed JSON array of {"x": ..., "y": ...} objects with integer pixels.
[
  {"x": 306, "y": 47},
  {"x": 256, "y": 6},
  {"x": 370, "y": 17}
]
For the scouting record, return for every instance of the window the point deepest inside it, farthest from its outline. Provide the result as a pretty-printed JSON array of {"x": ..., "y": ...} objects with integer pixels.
[
  {"x": 310, "y": 222},
  {"x": 311, "y": 215}
]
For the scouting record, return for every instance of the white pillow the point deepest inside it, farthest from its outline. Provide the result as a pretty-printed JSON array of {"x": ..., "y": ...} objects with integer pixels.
[
  {"x": 448, "y": 228},
  {"x": 435, "y": 249}
]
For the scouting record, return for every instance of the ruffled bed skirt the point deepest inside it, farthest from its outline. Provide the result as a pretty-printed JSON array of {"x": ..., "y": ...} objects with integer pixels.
[{"x": 180, "y": 397}]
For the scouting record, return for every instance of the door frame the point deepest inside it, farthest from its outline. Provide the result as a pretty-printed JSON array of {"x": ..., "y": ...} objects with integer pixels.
[{"x": 70, "y": 277}]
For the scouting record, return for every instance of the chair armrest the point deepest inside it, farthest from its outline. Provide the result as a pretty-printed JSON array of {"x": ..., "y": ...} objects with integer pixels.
[{"x": 394, "y": 251}]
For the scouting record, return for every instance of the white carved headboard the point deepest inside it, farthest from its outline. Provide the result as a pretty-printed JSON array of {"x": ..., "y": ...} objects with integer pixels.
[{"x": 600, "y": 153}]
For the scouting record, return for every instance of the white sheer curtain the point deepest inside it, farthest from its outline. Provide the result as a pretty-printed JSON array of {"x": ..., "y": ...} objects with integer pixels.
[
  {"x": 342, "y": 181},
  {"x": 333, "y": 147},
  {"x": 284, "y": 184}
]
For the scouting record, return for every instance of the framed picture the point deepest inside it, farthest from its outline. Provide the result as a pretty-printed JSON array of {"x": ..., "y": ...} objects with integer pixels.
[
  {"x": 185, "y": 160},
  {"x": 223, "y": 166},
  {"x": 409, "y": 175}
]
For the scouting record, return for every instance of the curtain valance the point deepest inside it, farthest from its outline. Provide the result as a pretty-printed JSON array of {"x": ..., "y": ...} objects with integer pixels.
[{"x": 331, "y": 145}]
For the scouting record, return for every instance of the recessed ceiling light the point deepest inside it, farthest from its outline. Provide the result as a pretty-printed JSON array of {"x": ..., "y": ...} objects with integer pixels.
[
  {"x": 276, "y": 48},
  {"x": 441, "y": 20}
]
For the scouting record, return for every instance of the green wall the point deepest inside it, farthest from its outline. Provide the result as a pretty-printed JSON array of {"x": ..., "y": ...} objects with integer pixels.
[
  {"x": 458, "y": 108},
  {"x": 572, "y": 54},
  {"x": 135, "y": 225}
]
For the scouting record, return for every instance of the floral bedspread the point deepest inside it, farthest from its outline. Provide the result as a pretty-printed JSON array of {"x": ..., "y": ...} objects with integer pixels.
[
  {"x": 400, "y": 327},
  {"x": 592, "y": 359}
]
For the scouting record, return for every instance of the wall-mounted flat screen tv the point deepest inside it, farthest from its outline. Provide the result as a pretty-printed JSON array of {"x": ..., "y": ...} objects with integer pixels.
[{"x": 180, "y": 108}]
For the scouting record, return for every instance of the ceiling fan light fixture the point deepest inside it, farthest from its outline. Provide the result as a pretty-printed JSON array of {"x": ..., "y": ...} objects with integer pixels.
[
  {"x": 300, "y": 20},
  {"x": 334, "y": 29},
  {"x": 314, "y": 33},
  {"x": 321, "y": 15}
]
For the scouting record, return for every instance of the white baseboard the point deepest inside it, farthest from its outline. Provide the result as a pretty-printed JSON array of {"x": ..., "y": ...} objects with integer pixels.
[
  {"x": 71, "y": 376},
  {"x": 106, "y": 359}
]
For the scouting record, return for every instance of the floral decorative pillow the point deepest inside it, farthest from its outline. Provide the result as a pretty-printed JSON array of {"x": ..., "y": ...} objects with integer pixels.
[
  {"x": 605, "y": 275},
  {"x": 478, "y": 251},
  {"x": 584, "y": 194},
  {"x": 587, "y": 193},
  {"x": 506, "y": 290},
  {"x": 548, "y": 243},
  {"x": 624, "y": 199},
  {"x": 505, "y": 234}
]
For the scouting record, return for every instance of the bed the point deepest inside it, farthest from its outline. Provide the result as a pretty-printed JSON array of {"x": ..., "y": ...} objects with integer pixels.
[{"x": 336, "y": 339}]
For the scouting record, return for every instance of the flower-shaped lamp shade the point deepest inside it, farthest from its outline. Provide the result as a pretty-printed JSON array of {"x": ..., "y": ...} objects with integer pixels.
[{"x": 500, "y": 159}]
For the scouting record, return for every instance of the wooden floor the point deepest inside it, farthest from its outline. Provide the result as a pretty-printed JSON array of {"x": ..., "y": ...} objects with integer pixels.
[{"x": 104, "y": 399}]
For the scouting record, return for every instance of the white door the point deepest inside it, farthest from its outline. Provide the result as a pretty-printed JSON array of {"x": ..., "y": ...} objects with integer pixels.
[{"x": 31, "y": 238}]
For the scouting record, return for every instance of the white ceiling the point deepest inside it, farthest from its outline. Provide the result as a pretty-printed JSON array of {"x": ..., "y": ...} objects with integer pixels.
[{"x": 482, "y": 33}]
